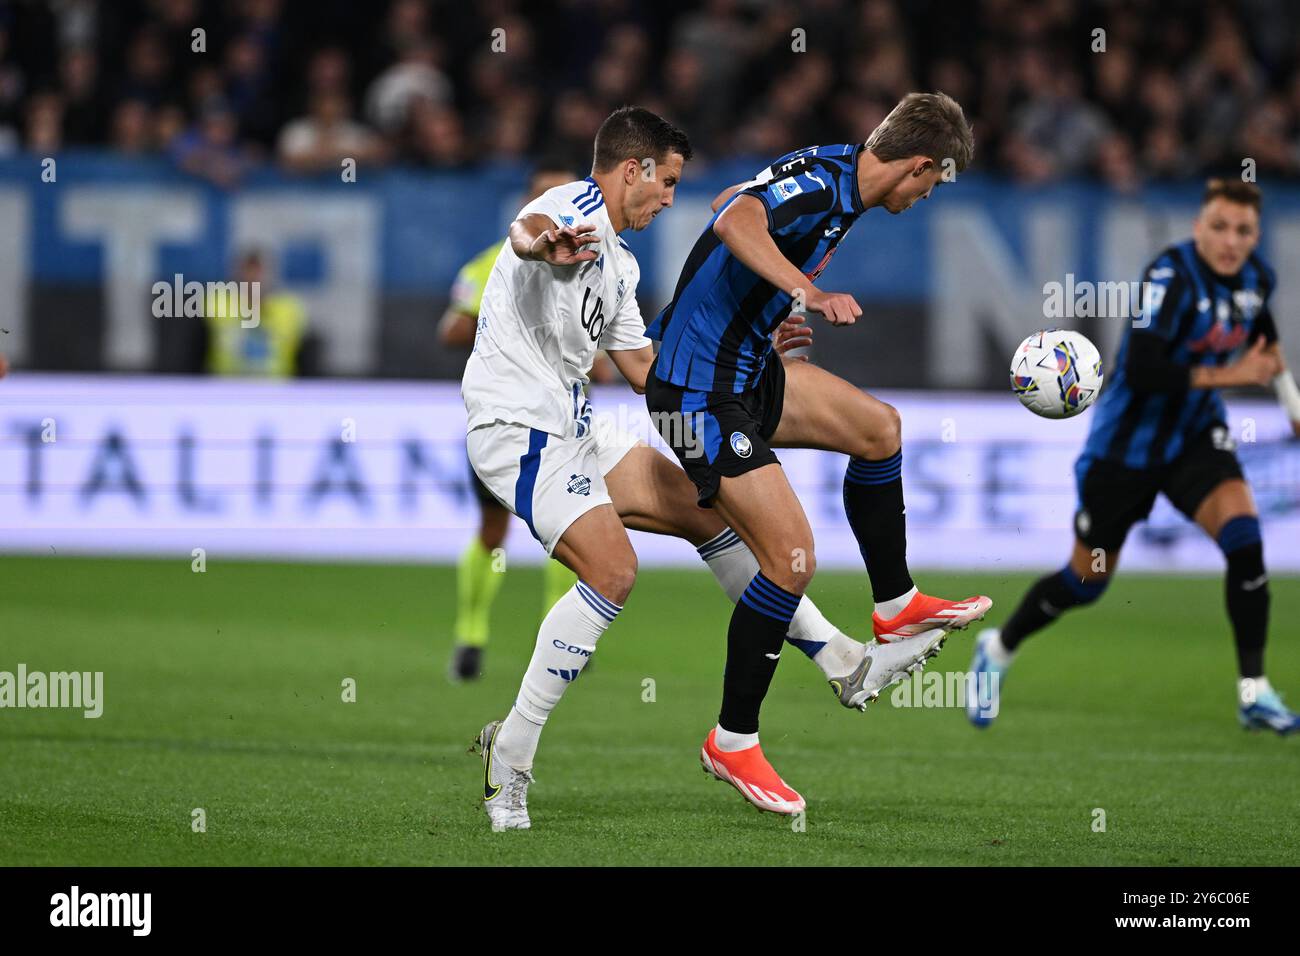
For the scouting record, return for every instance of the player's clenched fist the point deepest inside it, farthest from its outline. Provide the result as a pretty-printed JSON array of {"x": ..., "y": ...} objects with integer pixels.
[
  {"x": 565, "y": 246},
  {"x": 1258, "y": 365},
  {"x": 837, "y": 308}
]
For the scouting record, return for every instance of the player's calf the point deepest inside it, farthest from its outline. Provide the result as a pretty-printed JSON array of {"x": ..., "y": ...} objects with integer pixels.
[
  {"x": 569, "y": 632},
  {"x": 1049, "y": 598},
  {"x": 1246, "y": 590},
  {"x": 565, "y": 642},
  {"x": 1259, "y": 706}
]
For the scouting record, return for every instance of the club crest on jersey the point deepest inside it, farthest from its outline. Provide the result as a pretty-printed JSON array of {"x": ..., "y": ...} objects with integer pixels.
[
  {"x": 1247, "y": 302},
  {"x": 783, "y": 190},
  {"x": 566, "y": 220},
  {"x": 579, "y": 485},
  {"x": 741, "y": 444}
]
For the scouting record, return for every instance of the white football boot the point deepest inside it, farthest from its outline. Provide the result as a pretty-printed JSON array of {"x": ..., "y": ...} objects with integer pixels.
[
  {"x": 883, "y": 665},
  {"x": 505, "y": 789}
]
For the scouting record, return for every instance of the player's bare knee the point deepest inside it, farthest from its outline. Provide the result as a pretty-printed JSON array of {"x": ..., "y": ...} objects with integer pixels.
[
  {"x": 796, "y": 574},
  {"x": 884, "y": 433},
  {"x": 614, "y": 579},
  {"x": 803, "y": 578}
]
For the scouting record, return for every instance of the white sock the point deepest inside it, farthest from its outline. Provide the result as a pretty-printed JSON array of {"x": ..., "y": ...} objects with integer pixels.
[
  {"x": 998, "y": 652},
  {"x": 734, "y": 565},
  {"x": 565, "y": 641},
  {"x": 728, "y": 742},
  {"x": 895, "y": 606},
  {"x": 1251, "y": 689}
]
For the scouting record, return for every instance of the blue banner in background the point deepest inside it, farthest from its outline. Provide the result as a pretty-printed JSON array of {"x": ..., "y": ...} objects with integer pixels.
[
  {"x": 374, "y": 259},
  {"x": 432, "y": 222}
]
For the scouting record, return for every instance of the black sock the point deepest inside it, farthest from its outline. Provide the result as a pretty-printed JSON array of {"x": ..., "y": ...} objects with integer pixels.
[
  {"x": 873, "y": 503},
  {"x": 1248, "y": 600},
  {"x": 1043, "y": 603},
  {"x": 754, "y": 639}
]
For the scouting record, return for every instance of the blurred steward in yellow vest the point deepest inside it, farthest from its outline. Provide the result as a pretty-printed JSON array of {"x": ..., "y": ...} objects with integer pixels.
[{"x": 269, "y": 349}]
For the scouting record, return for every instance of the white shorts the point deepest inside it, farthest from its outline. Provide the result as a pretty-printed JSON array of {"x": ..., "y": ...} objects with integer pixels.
[{"x": 545, "y": 479}]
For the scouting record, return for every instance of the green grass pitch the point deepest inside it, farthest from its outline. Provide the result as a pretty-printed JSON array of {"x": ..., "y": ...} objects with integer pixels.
[{"x": 223, "y": 691}]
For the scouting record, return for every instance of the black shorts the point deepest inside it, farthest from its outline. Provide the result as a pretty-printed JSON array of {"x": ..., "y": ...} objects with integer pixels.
[
  {"x": 1113, "y": 498},
  {"x": 717, "y": 434}
]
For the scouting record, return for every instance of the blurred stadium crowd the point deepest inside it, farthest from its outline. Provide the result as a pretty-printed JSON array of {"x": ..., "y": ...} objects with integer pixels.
[{"x": 1182, "y": 88}]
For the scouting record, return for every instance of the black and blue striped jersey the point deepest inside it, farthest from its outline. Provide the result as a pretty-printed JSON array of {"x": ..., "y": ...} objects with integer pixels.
[
  {"x": 1197, "y": 318},
  {"x": 716, "y": 333}
]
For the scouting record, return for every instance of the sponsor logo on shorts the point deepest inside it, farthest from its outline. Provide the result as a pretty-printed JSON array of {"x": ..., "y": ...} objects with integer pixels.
[
  {"x": 579, "y": 485},
  {"x": 741, "y": 444},
  {"x": 1221, "y": 439}
]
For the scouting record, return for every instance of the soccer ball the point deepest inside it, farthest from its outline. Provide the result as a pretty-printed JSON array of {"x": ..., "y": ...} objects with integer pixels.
[{"x": 1056, "y": 373}]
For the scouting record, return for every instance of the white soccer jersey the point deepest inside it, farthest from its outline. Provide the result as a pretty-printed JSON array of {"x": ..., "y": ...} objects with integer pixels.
[{"x": 540, "y": 325}]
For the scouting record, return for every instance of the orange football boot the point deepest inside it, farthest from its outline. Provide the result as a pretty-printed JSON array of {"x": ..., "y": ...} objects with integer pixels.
[
  {"x": 924, "y": 613},
  {"x": 749, "y": 772}
]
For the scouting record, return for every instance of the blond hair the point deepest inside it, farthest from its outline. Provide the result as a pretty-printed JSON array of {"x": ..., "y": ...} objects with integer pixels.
[{"x": 924, "y": 124}]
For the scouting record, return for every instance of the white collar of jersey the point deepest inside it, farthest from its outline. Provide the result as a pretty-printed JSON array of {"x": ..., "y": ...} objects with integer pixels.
[{"x": 589, "y": 200}]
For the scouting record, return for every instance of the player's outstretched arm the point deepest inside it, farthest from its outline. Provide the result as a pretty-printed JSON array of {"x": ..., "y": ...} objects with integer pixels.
[
  {"x": 743, "y": 229},
  {"x": 537, "y": 237}
]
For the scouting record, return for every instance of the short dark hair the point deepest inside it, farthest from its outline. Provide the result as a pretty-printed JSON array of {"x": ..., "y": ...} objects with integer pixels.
[
  {"x": 924, "y": 124},
  {"x": 1233, "y": 190},
  {"x": 631, "y": 132}
]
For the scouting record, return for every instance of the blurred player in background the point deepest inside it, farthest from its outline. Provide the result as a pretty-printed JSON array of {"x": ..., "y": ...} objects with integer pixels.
[
  {"x": 1160, "y": 426},
  {"x": 563, "y": 286},
  {"x": 755, "y": 262},
  {"x": 477, "y": 581}
]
